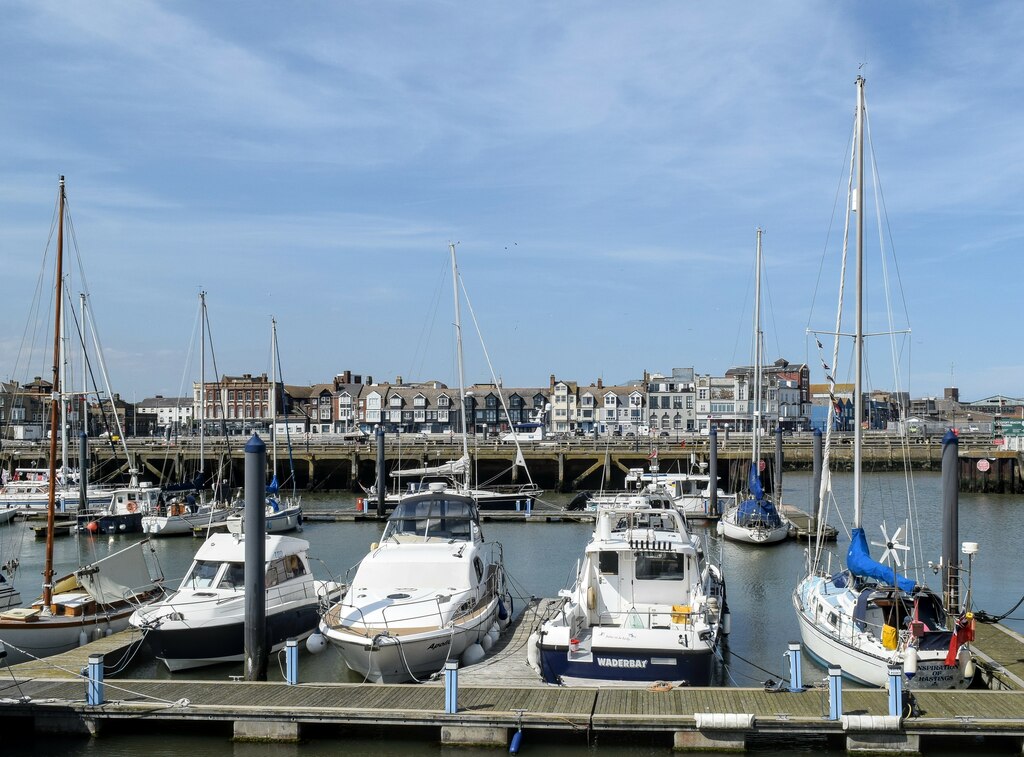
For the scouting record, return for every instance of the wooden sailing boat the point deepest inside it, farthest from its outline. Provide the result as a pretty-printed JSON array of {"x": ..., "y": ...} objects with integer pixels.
[
  {"x": 757, "y": 519},
  {"x": 865, "y": 617},
  {"x": 95, "y": 599}
]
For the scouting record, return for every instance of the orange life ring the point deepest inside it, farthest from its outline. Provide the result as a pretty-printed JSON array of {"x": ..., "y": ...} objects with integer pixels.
[
  {"x": 177, "y": 509},
  {"x": 132, "y": 506}
]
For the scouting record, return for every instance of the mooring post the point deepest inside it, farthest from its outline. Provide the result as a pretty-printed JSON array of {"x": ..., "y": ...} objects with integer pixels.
[
  {"x": 529, "y": 506},
  {"x": 895, "y": 691},
  {"x": 835, "y": 693},
  {"x": 713, "y": 471},
  {"x": 796, "y": 678},
  {"x": 951, "y": 526},
  {"x": 451, "y": 687},
  {"x": 255, "y": 530},
  {"x": 94, "y": 687},
  {"x": 291, "y": 661}
]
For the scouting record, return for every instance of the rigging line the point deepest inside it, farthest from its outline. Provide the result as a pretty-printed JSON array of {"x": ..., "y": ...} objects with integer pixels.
[
  {"x": 500, "y": 391},
  {"x": 419, "y": 355},
  {"x": 287, "y": 432}
]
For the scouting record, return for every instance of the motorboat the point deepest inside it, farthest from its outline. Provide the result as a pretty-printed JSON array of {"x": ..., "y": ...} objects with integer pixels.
[
  {"x": 430, "y": 591},
  {"x": 690, "y": 492},
  {"x": 203, "y": 622},
  {"x": 125, "y": 510},
  {"x": 647, "y": 606}
]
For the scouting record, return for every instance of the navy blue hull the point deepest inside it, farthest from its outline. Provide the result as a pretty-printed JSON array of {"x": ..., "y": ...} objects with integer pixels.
[
  {"x": 217, "y": 642},
  {"x": 127, "y": 523},
  {"x": 695, "y": 668}
]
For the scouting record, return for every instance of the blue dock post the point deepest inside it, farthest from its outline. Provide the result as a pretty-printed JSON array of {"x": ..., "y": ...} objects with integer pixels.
[
  {"x": 291, "y": 661},
  {"x": 714, "y": 508},
  {"x": 895, "y": 690},
  {"x": 518, "y": 505},
  {"x": 451, "y": 687},
  {"x": 835, "y": 693},
  {"x": 529, "y": 503},
  {"x": 94, "y": 688},
  {"x": 796, "y": 678}
]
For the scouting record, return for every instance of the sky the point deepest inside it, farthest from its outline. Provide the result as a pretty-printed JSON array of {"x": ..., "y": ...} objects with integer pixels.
[{"x": 601, "y": 166}]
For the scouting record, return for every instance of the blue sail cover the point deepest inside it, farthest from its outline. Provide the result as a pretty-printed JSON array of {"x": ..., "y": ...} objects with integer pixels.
[
  {"x": 860, "y": 563},
  {"x": 273, "y": 486},
  {"x": 759, "y": 509}
]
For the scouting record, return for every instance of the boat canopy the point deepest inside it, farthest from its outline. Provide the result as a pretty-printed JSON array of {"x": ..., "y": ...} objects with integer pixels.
[
  {"x": 119, "y": 576},
  {"x": 860, "y": 563},
  {"x": 758, "y": 509}
]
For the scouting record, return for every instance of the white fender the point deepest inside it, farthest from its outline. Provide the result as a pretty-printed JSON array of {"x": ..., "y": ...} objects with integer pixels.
[
  {"x": 316, "y": 643},
  {"x": 474, "y": 653}
]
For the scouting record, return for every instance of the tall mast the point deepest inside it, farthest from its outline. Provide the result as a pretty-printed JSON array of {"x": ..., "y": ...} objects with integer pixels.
[
  {"x": 458, "y": 352},
  {"x": 273, "y": 392},
  {"x": 54, "y": 400},
  {"x": 202, "y": 391},
  {"x": 858, "y": 338},
  {"x": 756, "y": 443}
]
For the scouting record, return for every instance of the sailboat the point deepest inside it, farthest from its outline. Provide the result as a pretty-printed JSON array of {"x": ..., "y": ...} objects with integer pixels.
[
  {"x": 865, "y": 617},
  {"x": 756, "y": 520},
  {"x": 282, "y": 514},
  {"x": 186, "y": 515},
  {"x": 432, "y": 590},
  {"x": 95, "y": 599}
]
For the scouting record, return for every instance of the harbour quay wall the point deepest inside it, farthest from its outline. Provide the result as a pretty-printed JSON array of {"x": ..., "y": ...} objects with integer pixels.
[{"x": 326, "y": 464}]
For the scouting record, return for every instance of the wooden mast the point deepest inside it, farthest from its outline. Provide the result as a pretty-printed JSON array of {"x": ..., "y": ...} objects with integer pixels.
[{"x": 56, "y": 400}]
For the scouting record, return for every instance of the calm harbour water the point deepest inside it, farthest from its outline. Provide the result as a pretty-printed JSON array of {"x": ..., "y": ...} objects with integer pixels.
[{"x": 540, "y": 559}]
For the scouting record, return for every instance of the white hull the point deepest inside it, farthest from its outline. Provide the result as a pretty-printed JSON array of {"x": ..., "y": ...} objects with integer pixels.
[
  {"x": 288, "y": 519},
  {"x": 413, "y": 657},
  {"x": 860, "y": 655},
  {"x": 49, "y": 636},
  {"x": 731, "y": 530},
  {"x": 175, "y": 525}
]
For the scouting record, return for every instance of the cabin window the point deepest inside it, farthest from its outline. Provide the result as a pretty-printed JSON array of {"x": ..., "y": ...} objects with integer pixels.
[
  {"x": 203, "y": 574},
  {"x": 608, "y": 563},
  {"x": 668, "y": 566},
  {"x": 234, "y": 576},
  {"x": 833, "y": 619}
]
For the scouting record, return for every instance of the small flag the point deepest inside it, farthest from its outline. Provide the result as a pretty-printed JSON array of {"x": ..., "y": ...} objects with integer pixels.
[{"x": 654, "y": 454}]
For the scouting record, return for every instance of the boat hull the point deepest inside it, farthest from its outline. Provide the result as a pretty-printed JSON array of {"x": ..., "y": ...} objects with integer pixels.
[
  {"x": 125, "y": 523},
  {"x": 288, "y": 519},
  {"x": 869, "y": 668},
  {"x": 177, "y": 525},
  {"x": 415, "y": 657},
  {"x": 47, "y": 636},
  {"x": 752, "y": 534},
  {"x": 634, "y": 665},
  {"x": 181, "y": 647}
]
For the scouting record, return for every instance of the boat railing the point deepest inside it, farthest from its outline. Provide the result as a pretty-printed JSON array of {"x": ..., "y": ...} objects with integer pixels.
[{"x": 666, "y": 616}]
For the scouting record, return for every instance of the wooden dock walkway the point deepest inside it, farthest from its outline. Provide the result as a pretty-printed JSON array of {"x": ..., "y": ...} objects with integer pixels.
[{"x": 502, "y": 694}]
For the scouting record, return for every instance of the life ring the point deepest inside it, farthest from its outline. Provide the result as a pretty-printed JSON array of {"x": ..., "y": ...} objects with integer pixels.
[
  {"x": 132, "y": 506},
  {"x": 177, "y": 509}
]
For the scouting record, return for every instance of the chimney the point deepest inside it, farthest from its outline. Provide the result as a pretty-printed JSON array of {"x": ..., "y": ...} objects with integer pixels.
[
  {"x": 369, "y": 379},
  {"x": 600, "y": 383},
  {"x": 552, "y": 381},
  {"x": 346, "y": 377},
  {"x": 398, "y": 380}
]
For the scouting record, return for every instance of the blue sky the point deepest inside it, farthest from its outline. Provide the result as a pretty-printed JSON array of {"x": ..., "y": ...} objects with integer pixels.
[{"x": 603, "y": 167}]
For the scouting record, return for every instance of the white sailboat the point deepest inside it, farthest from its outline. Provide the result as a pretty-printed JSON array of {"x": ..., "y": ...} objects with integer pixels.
[
  {"x": 282, "y": 513},
  {"x": 95, "y": 599},
  {"x": 185, "y": 516},
  {"x": 757, "y": 519},
  {"x": 864, "y": 617}
]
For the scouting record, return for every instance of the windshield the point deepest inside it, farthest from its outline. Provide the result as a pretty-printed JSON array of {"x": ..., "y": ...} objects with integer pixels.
[{"x": 432, "y": 517}]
